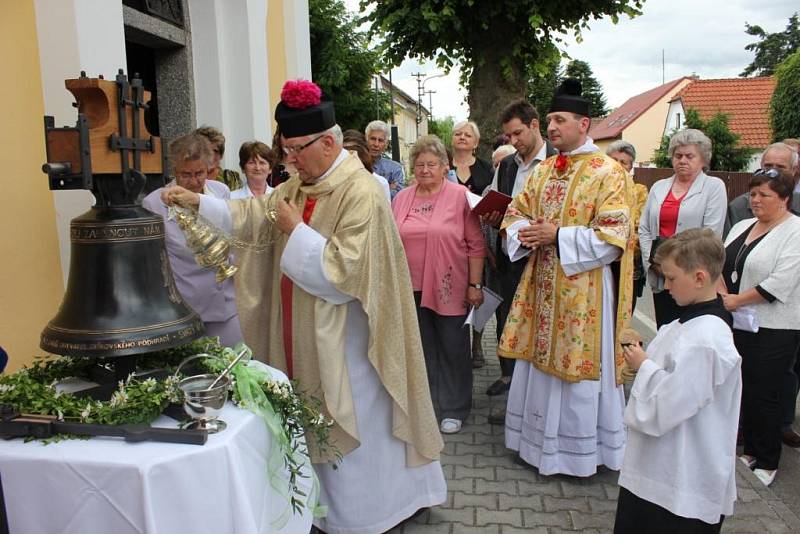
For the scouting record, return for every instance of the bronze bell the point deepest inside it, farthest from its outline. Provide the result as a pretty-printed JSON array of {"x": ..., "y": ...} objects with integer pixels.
[{"x": 121, "y": 297}]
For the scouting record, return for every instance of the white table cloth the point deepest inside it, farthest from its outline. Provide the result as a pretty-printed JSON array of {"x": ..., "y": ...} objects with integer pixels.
[{"x": 105, "y": 485}]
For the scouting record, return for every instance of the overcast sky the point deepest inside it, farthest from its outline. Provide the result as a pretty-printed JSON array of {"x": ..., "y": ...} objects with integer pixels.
[{"x": 704, "y": 37}]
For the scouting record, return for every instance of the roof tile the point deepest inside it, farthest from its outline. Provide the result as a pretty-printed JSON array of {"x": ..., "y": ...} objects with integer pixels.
[
  {"x": 744, "y": 100},
  {"x": 613, "y": 124}
]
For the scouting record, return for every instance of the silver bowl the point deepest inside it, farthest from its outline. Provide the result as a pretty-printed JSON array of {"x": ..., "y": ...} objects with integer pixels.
[{"x": 204, "y": 405}]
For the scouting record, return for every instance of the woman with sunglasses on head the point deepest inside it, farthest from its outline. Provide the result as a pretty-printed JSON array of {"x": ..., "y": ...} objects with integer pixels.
[
  {"x": 760, "y": 284},
  {"x": 444, "y": 249}
]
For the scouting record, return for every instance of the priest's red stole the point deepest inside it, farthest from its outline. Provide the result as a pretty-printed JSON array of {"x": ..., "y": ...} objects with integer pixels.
[{"x": 286, "y": 298}]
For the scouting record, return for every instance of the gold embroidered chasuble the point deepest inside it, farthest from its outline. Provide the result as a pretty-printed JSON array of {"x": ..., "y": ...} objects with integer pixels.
[
  {"x": 555, "y": 320},
  {"x": 363, "y": 258}
]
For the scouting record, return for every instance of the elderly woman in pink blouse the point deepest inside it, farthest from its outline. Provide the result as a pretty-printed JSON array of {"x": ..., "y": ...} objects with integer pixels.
[{"x": 445, "y": 251}]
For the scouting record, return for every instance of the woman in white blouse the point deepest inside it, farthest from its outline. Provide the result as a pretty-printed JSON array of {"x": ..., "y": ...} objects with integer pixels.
[
  {"x": 256, "y": 161},
  {"x": 762, "y": 288}
]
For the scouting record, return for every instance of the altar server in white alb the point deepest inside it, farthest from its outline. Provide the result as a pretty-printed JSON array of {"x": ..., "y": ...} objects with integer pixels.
[
  {"x": 332, "y": 306},
  {"x": 679, "y": 470},
  {"x": 571, "y": 223},
  {"x": 190, "y": 157}
]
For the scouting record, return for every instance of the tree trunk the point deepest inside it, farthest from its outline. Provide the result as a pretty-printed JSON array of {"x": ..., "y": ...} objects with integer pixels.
[{"x": 489, "y": 91}]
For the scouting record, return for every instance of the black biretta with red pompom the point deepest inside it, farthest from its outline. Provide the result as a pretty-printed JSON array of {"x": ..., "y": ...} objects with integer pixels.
[
  {"x": 303, "y": 109},
  {"x": 568, "y": 98}
]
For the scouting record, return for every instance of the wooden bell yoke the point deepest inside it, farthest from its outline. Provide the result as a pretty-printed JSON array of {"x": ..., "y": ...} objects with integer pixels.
[{"x": 121, "y": 299}]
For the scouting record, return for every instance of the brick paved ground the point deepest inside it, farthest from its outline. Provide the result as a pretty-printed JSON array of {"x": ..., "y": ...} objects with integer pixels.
[{"x": 490, "y": 491}]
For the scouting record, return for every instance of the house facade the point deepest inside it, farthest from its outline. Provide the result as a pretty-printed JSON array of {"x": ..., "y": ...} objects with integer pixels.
[
  {"x": 215, "y": 62},
  {"x": 639, "y": 121},
  {"x": 405, "y": 118}
]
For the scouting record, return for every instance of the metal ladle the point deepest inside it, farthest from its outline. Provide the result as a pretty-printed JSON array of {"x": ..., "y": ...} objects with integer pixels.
[{"x": 227, "y": 369}]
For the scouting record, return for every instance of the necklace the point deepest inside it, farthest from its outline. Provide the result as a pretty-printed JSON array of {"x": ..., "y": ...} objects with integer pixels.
[
  {"x": 735, "y": 273},
  {"x": 746, "y": 245}
]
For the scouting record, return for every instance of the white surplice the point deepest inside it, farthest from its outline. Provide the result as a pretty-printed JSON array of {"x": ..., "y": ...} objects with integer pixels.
[
  {"x": 563, "y": 427},
  {"x": 682, "y": 420},
  {"x": 372, "y": 489}
]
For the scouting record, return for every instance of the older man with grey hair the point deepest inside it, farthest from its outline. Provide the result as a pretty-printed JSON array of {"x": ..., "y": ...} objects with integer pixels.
[{"x": 378, "y": 137}]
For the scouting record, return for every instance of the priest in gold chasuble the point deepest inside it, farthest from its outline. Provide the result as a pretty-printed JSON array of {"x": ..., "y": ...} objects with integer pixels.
[
  {"x": 572, "y": 224},
  {"x": 325, "y": 296}
]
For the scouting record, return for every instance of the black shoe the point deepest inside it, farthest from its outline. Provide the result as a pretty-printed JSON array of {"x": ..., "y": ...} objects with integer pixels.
[
  {"x": 498, "y": 418},
  {"x": 791, "y": 438},
  {"x": 498, "y": 388}
]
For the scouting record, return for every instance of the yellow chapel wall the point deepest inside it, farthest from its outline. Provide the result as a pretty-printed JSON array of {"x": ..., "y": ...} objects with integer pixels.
[
  {"x": 646, "y": 131},
  {"x": 31, "y": 284},
  {"x": 276, "y": 52}
]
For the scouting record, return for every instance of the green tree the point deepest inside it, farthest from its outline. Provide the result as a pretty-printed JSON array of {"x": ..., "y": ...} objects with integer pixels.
[
  {"x": 343, "y": 65},
  {"x": 592, "y": 90},
  {"x": 542, "y": 83},
  {"x": 661, "y": 157},
  {"x": 771, "y": 48},
  {"x": 726, "y": 155},
  {"x": 784, "y": 111},
  {"x": 443, "y": 129},
  {"x": 495, "y": 42}
]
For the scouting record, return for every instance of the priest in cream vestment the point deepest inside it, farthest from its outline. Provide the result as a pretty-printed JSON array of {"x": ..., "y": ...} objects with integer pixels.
[
  {"x": 571, "y": 224},
  {"x": 326, "y": 297}
]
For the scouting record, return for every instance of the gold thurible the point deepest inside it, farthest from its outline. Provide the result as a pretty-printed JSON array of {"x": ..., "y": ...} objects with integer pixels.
[
  {"x": 209, "y": 244},
  {"x": 629, "y": 336}
]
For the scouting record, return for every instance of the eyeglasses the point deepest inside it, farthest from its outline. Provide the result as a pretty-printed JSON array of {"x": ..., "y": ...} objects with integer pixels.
[
  {"x": 430, "y": 166},
  {"x": 772, "y": 174},
  {"x": 199, "y": 175},
  {"x": 289, "y": 150}
]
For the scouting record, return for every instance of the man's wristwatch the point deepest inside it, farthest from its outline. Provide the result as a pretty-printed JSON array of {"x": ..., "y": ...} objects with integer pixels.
[{"x": 476, "y": 286}]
